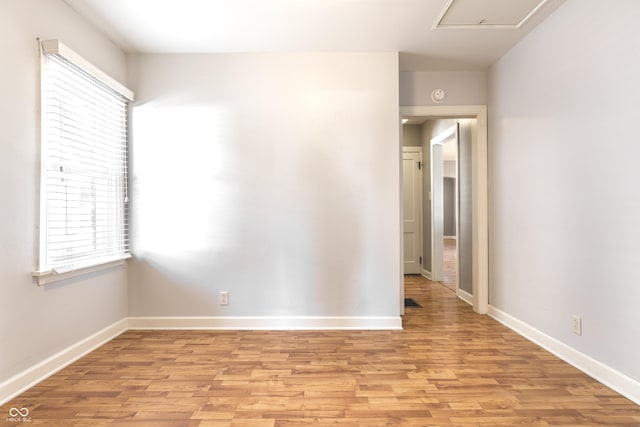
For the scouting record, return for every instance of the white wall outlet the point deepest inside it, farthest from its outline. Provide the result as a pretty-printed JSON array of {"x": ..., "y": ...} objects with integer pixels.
[
  {"x": 224, "y": 298},
  {"x": 576, "y": 324}
]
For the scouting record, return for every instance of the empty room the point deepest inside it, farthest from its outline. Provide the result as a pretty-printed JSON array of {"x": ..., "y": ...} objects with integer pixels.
[{"x": 319, "y": 212}]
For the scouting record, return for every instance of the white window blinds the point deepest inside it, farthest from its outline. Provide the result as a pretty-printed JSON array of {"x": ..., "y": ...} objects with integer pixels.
[{"x": 84, "y": 155}]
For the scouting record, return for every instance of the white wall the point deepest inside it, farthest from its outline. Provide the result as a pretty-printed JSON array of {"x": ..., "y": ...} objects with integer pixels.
[
  {"x": 461, "y": 87},
  {"x": 36, "y": 322},
  {"x": 563, "y": 161},
  {"x": 272, "y": 176},
  {"x": 450, "y": 169}
]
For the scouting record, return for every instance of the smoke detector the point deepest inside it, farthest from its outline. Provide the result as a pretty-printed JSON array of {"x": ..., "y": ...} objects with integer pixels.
[{"x": 438, "y": 95}]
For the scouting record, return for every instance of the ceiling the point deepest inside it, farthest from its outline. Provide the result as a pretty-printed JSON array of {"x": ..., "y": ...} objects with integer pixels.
[{"x": 431, "y": 35}]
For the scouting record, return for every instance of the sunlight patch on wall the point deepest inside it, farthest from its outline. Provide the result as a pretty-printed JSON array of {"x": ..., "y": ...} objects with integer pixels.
[{"x": 179, "y": 160}]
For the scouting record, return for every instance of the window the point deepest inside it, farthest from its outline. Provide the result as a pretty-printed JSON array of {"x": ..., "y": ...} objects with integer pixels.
[{"x": 84, "y": 195}]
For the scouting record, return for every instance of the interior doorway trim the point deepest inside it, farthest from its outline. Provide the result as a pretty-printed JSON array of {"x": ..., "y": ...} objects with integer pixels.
[{"x": 479, "y": 173}]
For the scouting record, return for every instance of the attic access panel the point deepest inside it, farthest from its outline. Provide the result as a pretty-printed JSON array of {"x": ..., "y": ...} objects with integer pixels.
[{"x": 494, "y": 14}]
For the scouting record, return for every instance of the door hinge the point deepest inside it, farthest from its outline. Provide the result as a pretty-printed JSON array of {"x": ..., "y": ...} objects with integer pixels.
[
  {"x": 420, "y": 260},
  {"x": 419, "y": 165}
]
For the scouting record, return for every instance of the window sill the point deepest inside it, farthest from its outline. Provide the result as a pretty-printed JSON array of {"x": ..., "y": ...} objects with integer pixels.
[{"x": 45, "y": 277}]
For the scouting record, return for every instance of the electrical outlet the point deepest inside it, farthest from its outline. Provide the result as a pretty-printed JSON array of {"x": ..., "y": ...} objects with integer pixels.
[
  {"x": 576, "y": 324},
  {"x": 224, "y": 298}
]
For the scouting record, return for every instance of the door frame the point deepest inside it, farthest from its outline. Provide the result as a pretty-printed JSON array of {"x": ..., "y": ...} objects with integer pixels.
[{"x": 479, "y": 177}]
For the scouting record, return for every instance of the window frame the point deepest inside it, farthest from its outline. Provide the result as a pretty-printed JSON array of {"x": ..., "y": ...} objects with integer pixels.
[{"x": 45, "y": 274}]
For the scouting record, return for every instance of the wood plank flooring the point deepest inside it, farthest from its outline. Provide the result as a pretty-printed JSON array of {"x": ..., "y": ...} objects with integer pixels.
[
  {"x": 450, "y": 265},
  {"x": 448, "y": 367}
]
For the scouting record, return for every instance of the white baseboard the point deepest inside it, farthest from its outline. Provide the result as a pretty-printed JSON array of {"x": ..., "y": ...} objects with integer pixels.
[
  {"x": 426, "y": 274},
  {"x": 450, "y": 237},
  {"x": 465, "y": 296},
  {"x": 266, "y": 323},
  {"x": 26, "y": 379},
  {"x": 608, "y": 376}
]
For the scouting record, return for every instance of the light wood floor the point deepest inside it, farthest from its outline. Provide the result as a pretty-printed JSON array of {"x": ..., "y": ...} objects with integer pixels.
[
  {"x": 448, "y": 367},
  {"x": 450, "y": 266}
]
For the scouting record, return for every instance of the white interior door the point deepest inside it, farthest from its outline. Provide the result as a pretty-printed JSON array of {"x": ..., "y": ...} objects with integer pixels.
[
  {"x": 412, "y": 208},
  {"x": 437, "y": 201}
]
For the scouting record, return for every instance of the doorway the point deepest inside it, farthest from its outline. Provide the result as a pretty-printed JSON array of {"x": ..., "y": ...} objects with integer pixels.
[
  {"x": 478, "y": 183},
  {"x": 445, "y": 214}
]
